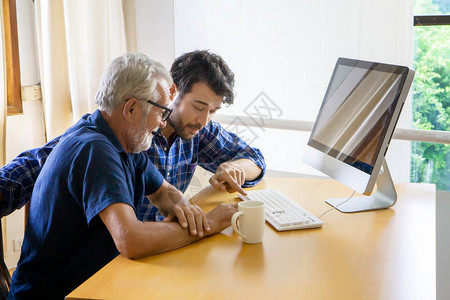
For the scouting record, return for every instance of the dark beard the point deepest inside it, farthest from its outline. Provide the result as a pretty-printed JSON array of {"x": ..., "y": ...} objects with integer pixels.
[{"x": 179, "y": 129}]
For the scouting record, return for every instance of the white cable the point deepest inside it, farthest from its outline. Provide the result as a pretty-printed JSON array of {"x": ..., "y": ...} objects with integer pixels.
[{"x": 334, "y": 207}]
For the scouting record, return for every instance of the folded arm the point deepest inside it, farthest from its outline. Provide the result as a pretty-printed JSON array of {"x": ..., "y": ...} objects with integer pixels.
[
  {"x": 172, "y": 205},
  {"x": 135, "y": 239}
]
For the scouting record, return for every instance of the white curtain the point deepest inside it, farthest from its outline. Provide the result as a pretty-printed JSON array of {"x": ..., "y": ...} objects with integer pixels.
[
  {"x": 77, "y": 39},
  {"x": 283, "y": 53}
]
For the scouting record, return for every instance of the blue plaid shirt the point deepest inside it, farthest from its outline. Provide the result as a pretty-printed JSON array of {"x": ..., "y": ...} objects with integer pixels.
[
  {"x": 17, "y": 177},
  {"x": 212, "y": 146}
]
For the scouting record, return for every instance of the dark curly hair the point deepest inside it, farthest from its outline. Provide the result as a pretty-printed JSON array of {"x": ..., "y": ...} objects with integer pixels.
[{"x": 203, "y": 66}]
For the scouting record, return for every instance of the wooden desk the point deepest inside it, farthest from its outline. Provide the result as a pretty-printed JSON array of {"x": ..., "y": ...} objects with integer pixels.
[{"x": 386, "y": 254}]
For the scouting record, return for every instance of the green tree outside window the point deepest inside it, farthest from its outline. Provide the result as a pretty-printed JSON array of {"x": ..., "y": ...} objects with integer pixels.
[{"x": 430, "y": 162}]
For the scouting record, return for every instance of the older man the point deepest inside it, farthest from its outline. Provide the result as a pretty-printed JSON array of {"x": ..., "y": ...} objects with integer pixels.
[
  {"x": 204, "y": 82},
  {"x": 83, "y": 207}
]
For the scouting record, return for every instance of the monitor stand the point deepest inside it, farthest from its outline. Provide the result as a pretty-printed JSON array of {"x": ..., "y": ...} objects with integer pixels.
[{"x": 384, "y": 197}]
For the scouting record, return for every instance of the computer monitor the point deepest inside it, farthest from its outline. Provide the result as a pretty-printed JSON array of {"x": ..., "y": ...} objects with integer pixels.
[{"x": 353, "y": 129}]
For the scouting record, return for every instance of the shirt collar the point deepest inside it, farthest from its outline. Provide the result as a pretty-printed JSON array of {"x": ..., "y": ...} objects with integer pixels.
[{"x": 103, "y": 127}]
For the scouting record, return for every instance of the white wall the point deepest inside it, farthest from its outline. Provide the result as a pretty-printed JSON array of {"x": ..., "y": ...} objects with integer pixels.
[
  {"x": 287, "y": 49},
  {"x": 155, "y": 30}
]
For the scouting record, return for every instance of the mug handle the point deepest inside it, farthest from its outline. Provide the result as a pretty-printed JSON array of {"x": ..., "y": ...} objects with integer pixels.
[{"x": 234, "y": 223}]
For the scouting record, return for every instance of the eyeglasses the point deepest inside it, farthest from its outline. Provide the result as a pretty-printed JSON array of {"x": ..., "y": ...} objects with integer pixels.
[{"x": 166, "y": 113}]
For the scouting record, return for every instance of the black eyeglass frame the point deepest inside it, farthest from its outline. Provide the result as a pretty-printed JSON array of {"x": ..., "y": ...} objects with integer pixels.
[{"x": 167, "y": 111}]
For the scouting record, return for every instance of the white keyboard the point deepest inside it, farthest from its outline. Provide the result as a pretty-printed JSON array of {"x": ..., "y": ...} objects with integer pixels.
[{"x": 282, "y": 212}]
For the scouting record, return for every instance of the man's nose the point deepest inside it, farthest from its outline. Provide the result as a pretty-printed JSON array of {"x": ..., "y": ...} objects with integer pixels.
[{"x": 203, "y": 118}]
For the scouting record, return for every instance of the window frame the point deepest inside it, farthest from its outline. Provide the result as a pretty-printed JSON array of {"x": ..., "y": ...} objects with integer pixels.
[
  {"x": 13, "y": 85},
  {"x": 431, "y": 20}
]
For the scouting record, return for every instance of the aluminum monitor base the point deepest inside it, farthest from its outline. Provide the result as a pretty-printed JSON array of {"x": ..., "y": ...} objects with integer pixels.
[{"x": 384, "y": 197}]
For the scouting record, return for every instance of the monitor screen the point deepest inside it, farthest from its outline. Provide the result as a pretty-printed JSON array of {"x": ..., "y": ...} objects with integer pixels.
[
  {"x": 353, "y": 129},
  {"x": 356, "y": 112}
]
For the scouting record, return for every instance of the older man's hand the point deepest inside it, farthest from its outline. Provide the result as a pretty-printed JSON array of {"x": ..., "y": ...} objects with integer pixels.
[{"x": 189, "y": 216}]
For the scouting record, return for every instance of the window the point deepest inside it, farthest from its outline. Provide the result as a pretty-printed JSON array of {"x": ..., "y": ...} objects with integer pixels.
[{"x": 430, "y": 162}]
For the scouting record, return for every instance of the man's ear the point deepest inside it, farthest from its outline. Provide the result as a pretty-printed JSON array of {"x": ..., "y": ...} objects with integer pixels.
[
  {"x": 173, "y": 91},
  {"x": 129, "y": 109}
]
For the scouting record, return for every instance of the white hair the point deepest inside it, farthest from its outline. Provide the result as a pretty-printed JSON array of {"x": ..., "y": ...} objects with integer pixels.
[{"x": 131, "y": 75}]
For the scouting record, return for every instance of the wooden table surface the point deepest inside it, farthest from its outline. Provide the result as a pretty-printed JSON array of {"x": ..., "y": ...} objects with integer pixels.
[{"x": 385, "y": 254}]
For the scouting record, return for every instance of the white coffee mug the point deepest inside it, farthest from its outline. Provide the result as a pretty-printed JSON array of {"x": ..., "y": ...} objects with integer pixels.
[{"x": 251, "y": 221}]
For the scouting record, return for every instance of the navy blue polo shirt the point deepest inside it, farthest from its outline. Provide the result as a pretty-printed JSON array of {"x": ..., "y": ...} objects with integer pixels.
[{"x": 65, "y": 241}]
